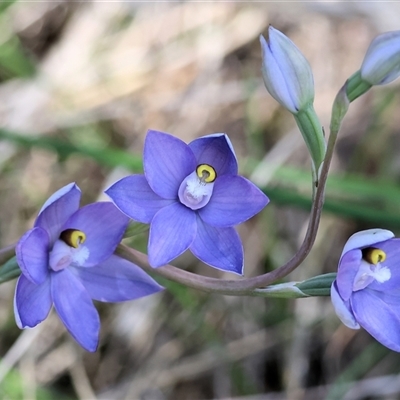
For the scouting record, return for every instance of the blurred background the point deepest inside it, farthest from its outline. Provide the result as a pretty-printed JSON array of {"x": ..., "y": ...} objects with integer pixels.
[{"x": 81, "y": 82}]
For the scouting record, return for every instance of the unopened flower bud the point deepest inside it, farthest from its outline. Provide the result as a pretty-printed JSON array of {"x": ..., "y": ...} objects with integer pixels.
[
  {"x": 286, "y": 72},
  {"x": 382, "y": 62},
  {"x": 381, "y": 65}
]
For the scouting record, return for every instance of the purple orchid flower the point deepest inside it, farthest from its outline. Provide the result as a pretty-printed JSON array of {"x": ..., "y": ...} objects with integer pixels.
[
  {"x": 366, "y": 291},
  {"x": 192, "y": 196},
  {"x": 67, "y": 260}
]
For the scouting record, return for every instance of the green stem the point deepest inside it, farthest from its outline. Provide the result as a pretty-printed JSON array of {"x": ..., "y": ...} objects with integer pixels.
[
  {"x": 356, "y": 86},
  {"x": 7, "y": 253},
  {"x": 10, "y": 270},
  {"x": 310, "y": 127}
]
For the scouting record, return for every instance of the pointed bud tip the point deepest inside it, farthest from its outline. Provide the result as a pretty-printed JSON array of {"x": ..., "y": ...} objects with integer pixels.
[{"x": 286, "y": 72}]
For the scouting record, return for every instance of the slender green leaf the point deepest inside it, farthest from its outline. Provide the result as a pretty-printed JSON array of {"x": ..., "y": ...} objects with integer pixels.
[
  {"x": 318, "y": 285},
  {"x": 105, "y": 156},
  {"x": 10, "y": 270}
]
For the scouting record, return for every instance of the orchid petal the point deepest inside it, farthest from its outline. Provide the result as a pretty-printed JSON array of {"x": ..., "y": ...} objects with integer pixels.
[
  {"x": 219, "y": 247},
  {"x": 366, "y": 238},
  {"x": 234, "y": 200},
  {"x": 167, "y": 160},
  {"x": 104, "y": 226},
  {"x": 32, "y": 303},
  {"x": 216, "y": 150},
  {"x": 135, "y": 198},
  {"x": 57, "y": 209},
  {"x": 172, "y": 231},
  {"x": 116, "y": 279},
  {"x": 380, "y": 319},
  {"x": 75, "y": 309},
  {"x": 348, "y": 268},
  {"x": 342, "y": 308},
  {"x": 32, "y": 253}
]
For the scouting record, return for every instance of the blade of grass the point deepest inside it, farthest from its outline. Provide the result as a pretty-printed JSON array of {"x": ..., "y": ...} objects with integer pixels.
[
  {"x": 105, "y": 156},
  {"x": 356, "y": 211}
]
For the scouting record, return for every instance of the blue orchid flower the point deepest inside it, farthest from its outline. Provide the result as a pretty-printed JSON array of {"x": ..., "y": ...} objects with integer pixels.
[
  {"x": 366, "y": 292},
  {"x": 67, "y": 260},
  {"x": 192, "y": 196}
]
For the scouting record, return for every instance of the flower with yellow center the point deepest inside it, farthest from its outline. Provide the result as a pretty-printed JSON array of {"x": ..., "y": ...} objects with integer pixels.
[
  {"x": 192, "y": 196},
  {"x": 67, "y": 260},
  {"x": 366, "y": 291}
]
